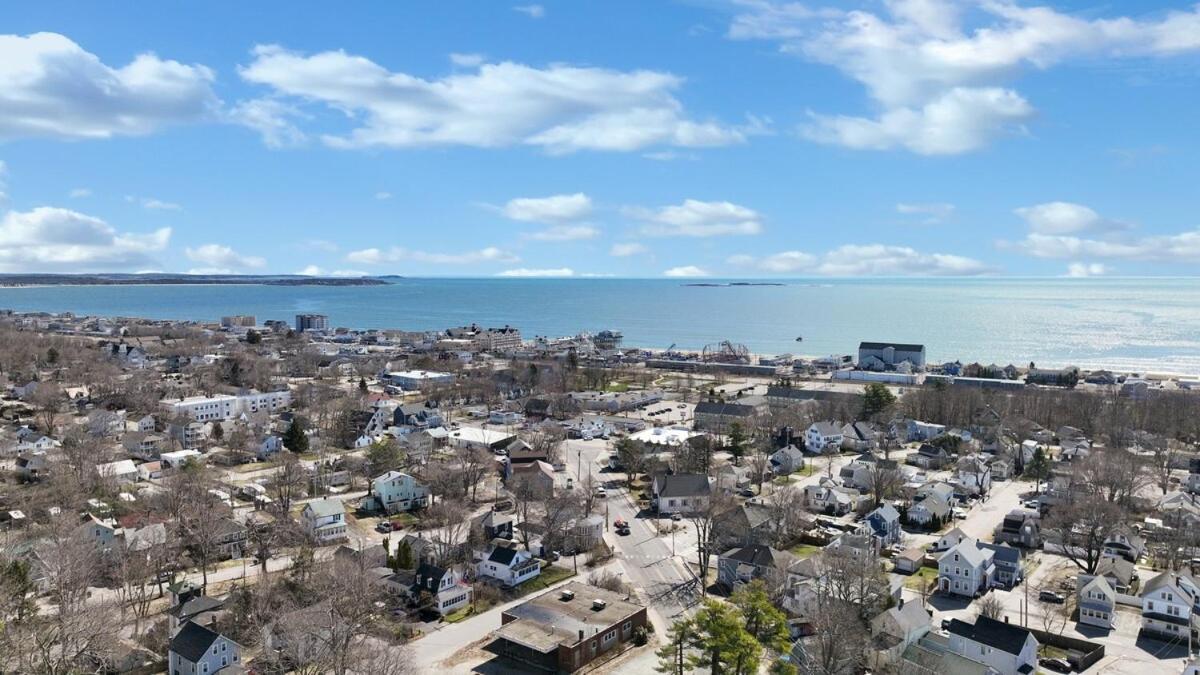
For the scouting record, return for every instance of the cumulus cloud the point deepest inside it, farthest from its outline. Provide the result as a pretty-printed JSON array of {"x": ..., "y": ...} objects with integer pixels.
[
  {"x": 375, "y": 256},
  {"x": 560, "y": 108},
  {"x": 220, "y": 259},
  {"x": 55, "y": 239},
  {"x": 526, "y": 272},
  {"x": 532, "y": 11},
  {"x": 881, "y": 260},
  {"x": 52, "y": 87},
  {"x": 159, "y": 205},
  {"x": 694, "y": 218},
  {"x": 273, "y": 119},
  {"x": 317, "y": 271},
  {"x": 564, "y": 233},
  {"x": 1079, "y": 270},
  {"x": 864, "y": 260},
  {"x": 553, "y": 209},
  {"x": 939, "y": 75},
  {"x": 686, "y": 271},
  {"x": 931, "y": 213},
  {"x": 624, "y": 250},
  {"x": 467, "y": 60},
  {"x": 1062, "y": 230},
  {"x": 1066, "y": 218}
]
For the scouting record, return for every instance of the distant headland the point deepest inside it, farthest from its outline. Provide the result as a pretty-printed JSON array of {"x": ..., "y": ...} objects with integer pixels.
[{"x": 182, "y": 279}]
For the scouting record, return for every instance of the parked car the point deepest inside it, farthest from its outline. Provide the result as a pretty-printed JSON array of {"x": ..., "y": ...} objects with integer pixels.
[
  {"x": 676, "y": 516},
  {"x": 383, "y": 526},
  {"x": 623, "y": 531},
  {"x": 746, "y": 492},
  {"x": 601, "y": 492},
  {"x": 1052, "y": 597},
  {"x": 1057, "y": 665}
]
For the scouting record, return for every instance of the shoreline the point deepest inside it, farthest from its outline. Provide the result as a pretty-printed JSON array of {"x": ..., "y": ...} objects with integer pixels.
[{"x": 1155, "y": 374}]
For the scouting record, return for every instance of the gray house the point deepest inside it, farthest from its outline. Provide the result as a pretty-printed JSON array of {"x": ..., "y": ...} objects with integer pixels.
[
  {"x": 889, "y": 355},
  {"x": 196, "y": 650}
]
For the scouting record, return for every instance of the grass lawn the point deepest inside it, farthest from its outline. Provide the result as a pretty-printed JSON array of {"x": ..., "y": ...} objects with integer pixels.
[
  {"x": 1051, "y": 652},
  {"x": 405, "y": 519},
  {"x": 460, "y": 614},
  {"x": 804, "y": 550},
  {"x": 920, "y": 578},
  {"x": 551, "y": 574},
  {"x": 620, "y": 387}
]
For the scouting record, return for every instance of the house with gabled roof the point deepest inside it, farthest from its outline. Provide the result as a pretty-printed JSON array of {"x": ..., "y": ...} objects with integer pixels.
[
  {"x": 507, "y": 563},
  {"x": 1003, "y": 647},
  {"x": 681, "y": 492},
  {"x": 967, "y": 569},
  {"x": 196, "y": 650},
  {"x": 1097, "y": 603}
]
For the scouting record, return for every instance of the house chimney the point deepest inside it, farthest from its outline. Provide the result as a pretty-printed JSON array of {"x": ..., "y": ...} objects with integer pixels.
[
  {"x": 901, "y": 605},
  {"x": 1005, "y": 618},
  {"x": 581, "y": 635}
]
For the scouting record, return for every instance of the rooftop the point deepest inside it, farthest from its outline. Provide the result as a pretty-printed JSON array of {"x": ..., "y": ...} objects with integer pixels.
[{"x": 551, "y": 619}]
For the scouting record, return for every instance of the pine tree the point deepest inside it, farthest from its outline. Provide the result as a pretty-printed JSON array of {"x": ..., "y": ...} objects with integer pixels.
[
  {"x": 673, "y": 656},
  {"x": 403, "y": 560},
  {"x": 294, "y": 438}
]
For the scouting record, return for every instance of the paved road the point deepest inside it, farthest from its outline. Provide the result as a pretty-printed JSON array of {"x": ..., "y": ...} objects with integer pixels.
[{"x": 663, "y": 579}]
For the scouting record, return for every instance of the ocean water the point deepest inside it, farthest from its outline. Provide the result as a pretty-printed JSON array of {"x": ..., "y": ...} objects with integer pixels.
[{"x": 1127, "y": 324}]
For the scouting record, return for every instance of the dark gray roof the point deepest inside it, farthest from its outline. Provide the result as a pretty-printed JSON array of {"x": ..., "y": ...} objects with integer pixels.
[
  {"x": 1004, "y": 553},
  {"x": 996, "y": 634},
  {"x": 502, "y": 555},
  {"x": 723, "y": 408},
  {"x": 758, "y": 555},
  {"x": 197, "y": 605},
  {"x": 683, "y": 485},
  {"x": 899, "y": 346},
  {"x": 192, "y": 641}
]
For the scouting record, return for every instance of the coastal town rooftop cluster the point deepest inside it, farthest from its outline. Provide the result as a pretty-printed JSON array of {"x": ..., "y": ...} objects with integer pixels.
[{"x": 287, "y": 495}]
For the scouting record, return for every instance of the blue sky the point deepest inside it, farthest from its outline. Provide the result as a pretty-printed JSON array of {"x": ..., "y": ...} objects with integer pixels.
[{"x": 625, "y": 138}]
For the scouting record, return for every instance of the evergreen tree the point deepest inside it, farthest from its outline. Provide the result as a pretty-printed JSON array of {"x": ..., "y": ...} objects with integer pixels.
[
  {"x": 1039, "y": 468},
  {"x": 876, "y": 399},
  {"x": 52, "y": 356},
  {"x": 721, "y": 642},
  {"x": 737, "y": 442},
  {"x": 403, "y": 560},
  {"x": 362, "y": 386},
  {"x": 673, "y": 656},
  {"x": 764, "y": 620},
  {"x": 294, "y": 438}
]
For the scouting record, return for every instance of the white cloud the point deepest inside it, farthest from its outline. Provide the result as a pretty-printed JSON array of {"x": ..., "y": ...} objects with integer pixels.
[
  {"x": 52, "y": 87},
  {"x": 625, "y": 250},
  {"x": 524, "y": 272},
  {"x": 383, "y": 196},
  {"x": 1066, "y": 218},
  {"x": 317, "y": 271},
  {"x": 217, "y": 256},
  {"x": 3, "y": 183},
  {"x": 560, "y": 108},
  {"x": 1182, "y": 247},
  {"x": 159, "y": 205},
  {"x": 49, "y": 238},
  {"x": 80, "y": 193},
  {"x": 375, "y": 256},
  {"x": 553, "y": 209},
  {"x": 1062, "y": 230},
  {"x": 961, "y": 120},
  {"x": 881, "y": 260},
  {"x": 271, "y": 118},
  {"x": 695, "y": 218},
  {"x": 937, "y": 70},
  {"x": 1080, "y": 270},
  {"x": 532, "y": 11},
  {"x": 788, "y": 261},
  {"x": 686, "y": 271},
  {"x": 467, "y": 60},
  {"x": 564, "y": 233},
  {"x": 932, "y": 212}
]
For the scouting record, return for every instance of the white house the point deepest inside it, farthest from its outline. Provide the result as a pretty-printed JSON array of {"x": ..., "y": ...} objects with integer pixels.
[
  {"x": 974, "y": 475},
  {"x": 822, "y": 437},
  {"x": 324, "y": 520},
  {"x": 1097, "y": 603},
  {"x": 449, "y": 592},
  {"x": 121, "y": 470},
  {"x": 196, "y": 650},
  {"x": 1003, "y": 647},
  {"x": 681, "y": 492},
  {"x": 966, "y": 569},
  {"x": 395, "y": 491},
  {"x": 507, "y": 563},
  {"x": 1169, "y": 606}
]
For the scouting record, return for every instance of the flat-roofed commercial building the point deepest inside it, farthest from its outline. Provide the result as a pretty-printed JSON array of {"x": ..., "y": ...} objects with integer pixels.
[{"x": 564, "y": 630}]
